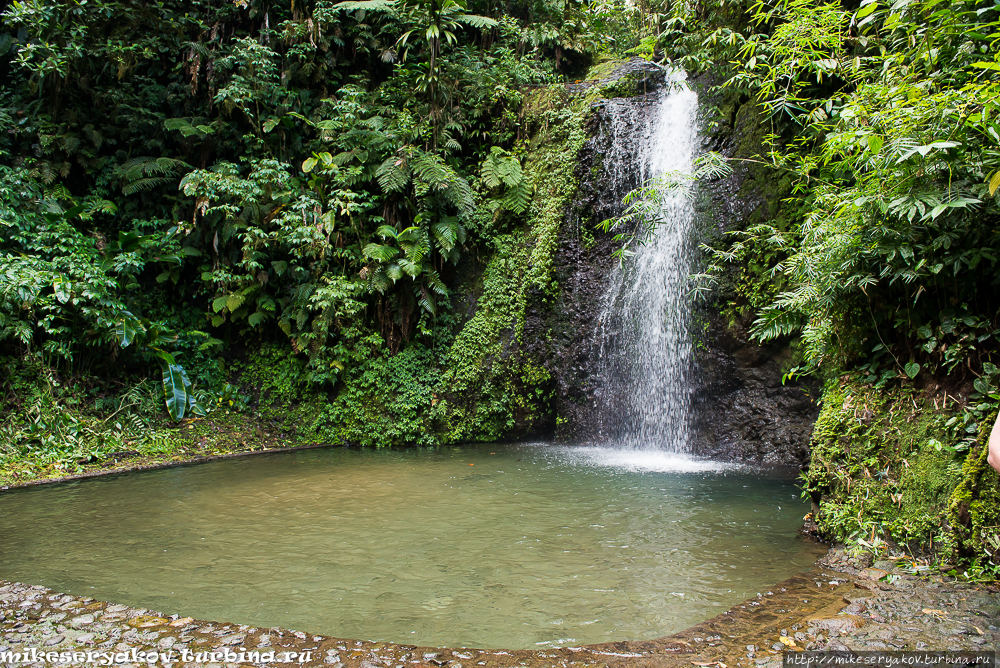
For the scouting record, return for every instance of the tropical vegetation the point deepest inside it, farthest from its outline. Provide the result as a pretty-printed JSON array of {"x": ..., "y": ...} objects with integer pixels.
[{"x": 335, "y": 216}]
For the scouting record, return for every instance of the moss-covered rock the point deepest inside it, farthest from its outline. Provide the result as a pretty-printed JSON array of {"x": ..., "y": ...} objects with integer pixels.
[
  {"x": 974, "y": 507},
  {"x": 885, "y": 469}
]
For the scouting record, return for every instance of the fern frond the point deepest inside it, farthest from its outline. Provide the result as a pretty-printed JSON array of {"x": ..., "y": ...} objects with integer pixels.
[
  {"x": 394, "y": 174},
  {"x": 380, "y": 252},
  {"x": 140, "y": 185},
  {"x": 434, "y": 282},
  {"x": 367, "y": 5},
  {"x": 427, "y": 301},
  {"x": 445, "y": 232},
  {"x": 476, "y": 21},
  {"x": 775, "y": 322}
]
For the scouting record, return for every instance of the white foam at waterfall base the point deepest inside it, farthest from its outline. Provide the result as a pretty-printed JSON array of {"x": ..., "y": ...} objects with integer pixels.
[{"x": 635, "y": 460}]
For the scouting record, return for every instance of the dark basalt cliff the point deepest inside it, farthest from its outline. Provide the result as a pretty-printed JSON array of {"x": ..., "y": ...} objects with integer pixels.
[{"x": 743, "y": 410}]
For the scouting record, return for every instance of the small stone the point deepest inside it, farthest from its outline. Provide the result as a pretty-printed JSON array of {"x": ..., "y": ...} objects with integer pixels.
[
  {"x": 85, "y": 638},
  {"x": 82, "y": 620},
  {"x": 873, "y": 574},
  {"x": 777, "y": 647},
  {"x": 166, "y": 643},
  {"x": 55, "y": 640},
  {"x": 147, "y": 621},
  {"x": 837, "y": 624},
  {"x": 800, "y": 636}
]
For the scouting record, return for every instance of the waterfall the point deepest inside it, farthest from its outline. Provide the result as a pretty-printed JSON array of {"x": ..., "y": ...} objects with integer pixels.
[{"x": 643, "y": 338}]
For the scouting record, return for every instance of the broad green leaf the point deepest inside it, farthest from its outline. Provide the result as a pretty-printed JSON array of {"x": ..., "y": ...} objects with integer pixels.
[
  {"x": 62, "y": 288},
  {"x": 995, "y": 183},
  {"x": 912, "y": 369},
  {"x": 175, "y": 390},
  {"x": 219, "y": 303},
  {"x": 126, "y": 329},
  {"x": 309, "y": 164}
]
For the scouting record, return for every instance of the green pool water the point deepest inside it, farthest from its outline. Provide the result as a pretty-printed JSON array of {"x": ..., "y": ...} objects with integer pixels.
[{"x": 517, "y": 546}]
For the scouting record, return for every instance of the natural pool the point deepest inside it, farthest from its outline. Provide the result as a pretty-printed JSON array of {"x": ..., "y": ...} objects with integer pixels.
[{"x": 518, "y": 546}]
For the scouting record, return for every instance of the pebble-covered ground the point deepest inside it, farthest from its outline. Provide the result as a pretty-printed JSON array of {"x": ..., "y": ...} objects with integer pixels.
[{"x": 839, "y": 605}]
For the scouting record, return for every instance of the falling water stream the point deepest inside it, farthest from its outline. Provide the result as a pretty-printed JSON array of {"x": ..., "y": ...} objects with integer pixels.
[{"x": 643, "y": 338}]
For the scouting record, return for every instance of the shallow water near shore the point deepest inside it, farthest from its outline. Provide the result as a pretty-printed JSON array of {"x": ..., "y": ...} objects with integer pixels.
[{"x": 519, "y": 546}]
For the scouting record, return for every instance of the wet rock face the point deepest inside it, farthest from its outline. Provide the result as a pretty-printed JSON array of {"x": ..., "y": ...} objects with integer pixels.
[
  {"x": 743, "y": 411},
  {"x": 562, "y": 334}
]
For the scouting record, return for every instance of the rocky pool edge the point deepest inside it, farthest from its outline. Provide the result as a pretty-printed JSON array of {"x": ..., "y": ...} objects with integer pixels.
[{"x": 835, "y": 606}]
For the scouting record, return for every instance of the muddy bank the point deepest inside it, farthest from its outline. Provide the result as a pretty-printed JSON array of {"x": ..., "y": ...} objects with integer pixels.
[
  {"x": 866, "y": 609},
  {"x": 137, "y": 462}
]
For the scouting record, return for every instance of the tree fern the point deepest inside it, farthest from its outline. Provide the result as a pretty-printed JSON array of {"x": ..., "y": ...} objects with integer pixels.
[{"x": 145, "y": 173}]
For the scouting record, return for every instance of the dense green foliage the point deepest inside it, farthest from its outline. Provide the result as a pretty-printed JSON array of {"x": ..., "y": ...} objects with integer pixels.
[
  {"x": 883, "y": 122},
  {"x": 193, "y": 193},
  {"x": 347, "y": 210}
]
